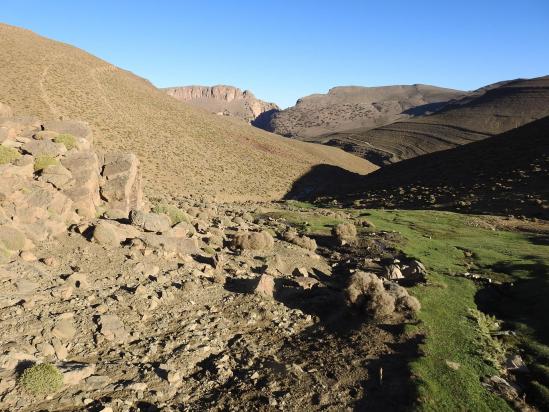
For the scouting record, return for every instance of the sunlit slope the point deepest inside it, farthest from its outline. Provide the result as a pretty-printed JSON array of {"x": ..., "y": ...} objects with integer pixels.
[{"x": 183, "y": 150}]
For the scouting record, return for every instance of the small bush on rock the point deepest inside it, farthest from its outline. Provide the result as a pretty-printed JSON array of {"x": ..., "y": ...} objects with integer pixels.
[
  {"x": 44, "y": 378},
  {"x": 67, "y": 139},
  {"x": 253, "y": 241},
  {"x": 8, "y": 155},
  {"x": 344, "y": 232},
  {"x": 43, "y": 161},
  {"x": 175, "y": 214}
]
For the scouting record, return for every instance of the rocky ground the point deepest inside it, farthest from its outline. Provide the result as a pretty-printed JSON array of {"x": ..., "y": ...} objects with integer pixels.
[
  {"x": 140, "y": 327},
  {"x": 127, "y": 303}
]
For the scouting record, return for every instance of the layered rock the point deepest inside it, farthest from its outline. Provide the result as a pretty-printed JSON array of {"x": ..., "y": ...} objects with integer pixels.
[{"x": 223, "y": 100}]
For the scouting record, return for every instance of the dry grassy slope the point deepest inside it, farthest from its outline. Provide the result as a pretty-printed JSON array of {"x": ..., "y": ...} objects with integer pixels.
[
  {"x": 510, "y": 105},
  {"x": 183, "y": 150}
]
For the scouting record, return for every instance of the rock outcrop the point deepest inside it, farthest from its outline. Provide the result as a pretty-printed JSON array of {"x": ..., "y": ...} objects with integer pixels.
[
  {"x": 52, "y": 178},
  {"x": 223, "y": 100}
]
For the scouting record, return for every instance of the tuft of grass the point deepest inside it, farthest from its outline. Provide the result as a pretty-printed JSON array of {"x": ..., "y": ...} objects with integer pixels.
[
  {"x": 175, "y": 214},
  {"x": 8, "y": 154},
  {"x": 308, "y": 222},
  {"x": 43, "y": 161},
  {"x": 42, "y": 379},
  {"x": 67, "y": 139},
  {"x": 491, "y": 349}
]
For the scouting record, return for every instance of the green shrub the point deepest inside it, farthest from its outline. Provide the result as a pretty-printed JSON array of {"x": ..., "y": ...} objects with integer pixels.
[
  {"x": 67, "y": 139},
  {"x": 8, "y": 155},
  {"x": 175, "y": 214},
  {"x": 42, "y": 379},
  {"x": 43, "y": 161}
]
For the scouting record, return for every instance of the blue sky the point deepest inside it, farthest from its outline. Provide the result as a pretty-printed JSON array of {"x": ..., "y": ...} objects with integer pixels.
[{"x": 282, "y": 50}]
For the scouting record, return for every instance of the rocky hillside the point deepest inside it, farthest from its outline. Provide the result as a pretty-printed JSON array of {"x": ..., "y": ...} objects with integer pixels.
[
  {"x": 485, "y": 112},
  {"x": 223, "y": 100},
  {"x": 182, "y": 150},
  {"x": 351, "y": 107}
]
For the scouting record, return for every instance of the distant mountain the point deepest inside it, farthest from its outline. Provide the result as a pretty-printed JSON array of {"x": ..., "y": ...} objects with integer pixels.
[
  {"x": 183, "y": 150},
  {"x": 352, "y": 107},
  {"x": 486, "y": 112},
  {"x": 503, "y": 174},
  {"x": 223, "y": 100}
]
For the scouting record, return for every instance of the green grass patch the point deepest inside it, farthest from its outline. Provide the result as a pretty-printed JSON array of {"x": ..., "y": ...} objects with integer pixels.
[
  {"x": 67, "y": 139},
  {"x": 8, "y": 154},
  {"x": 306, "y": 221},
  {"x": 447, "y": 244},
  {"x": 43, "y": 161}
]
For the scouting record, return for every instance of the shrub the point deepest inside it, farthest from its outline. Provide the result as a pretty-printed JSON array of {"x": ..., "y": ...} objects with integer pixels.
[
  {"x": 302, "y": 241},
  {"x": 8, "y": 154},
  {"x": 175, "y": 214},
  {"x": 366, "y": 292},
  {"x": 408, "y": 303},
  {"x": 253, "y": 241},
  {"x": 42, "y": 379},
  {"x": 344, "y": 232},
  {"x": 67, "y": 139},
  {"x": 43, "y": 161}
]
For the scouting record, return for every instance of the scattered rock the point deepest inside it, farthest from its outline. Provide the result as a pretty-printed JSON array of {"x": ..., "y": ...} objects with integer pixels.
[
  {"x": 112, "y": 328},
  {"x": 74, "y": 372},
  {"x": 265, "y": 286}
]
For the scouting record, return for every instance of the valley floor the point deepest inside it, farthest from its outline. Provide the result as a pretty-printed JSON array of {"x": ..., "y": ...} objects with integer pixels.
[{"x": 136, "y": 329}]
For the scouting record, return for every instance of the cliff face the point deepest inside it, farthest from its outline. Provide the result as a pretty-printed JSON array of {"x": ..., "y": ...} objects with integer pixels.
[{"x": 223, "y": 100}]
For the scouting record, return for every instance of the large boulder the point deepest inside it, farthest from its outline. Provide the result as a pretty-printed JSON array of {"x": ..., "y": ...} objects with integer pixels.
[
  {"x": 13, "y": 239},
  {"x": 83, "y": 189},
  {"x": 44, "y": 148},
  {"x": 106, "y": 234},
  {"x": 121, "y": 188}
]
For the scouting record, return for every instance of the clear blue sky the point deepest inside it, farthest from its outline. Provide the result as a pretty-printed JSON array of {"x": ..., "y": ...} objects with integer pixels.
[{"x": 282, "y": 50}]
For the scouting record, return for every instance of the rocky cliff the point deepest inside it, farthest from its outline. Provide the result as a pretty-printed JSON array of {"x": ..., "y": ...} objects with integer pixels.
[{"x": 223, "y": 100}]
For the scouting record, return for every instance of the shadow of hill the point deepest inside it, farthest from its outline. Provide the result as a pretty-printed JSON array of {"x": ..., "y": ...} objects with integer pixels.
[
  {"x": 323, "y": 180},
  {"x": 263, "y": 121},
  {"x": 504, "y": 174}
]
